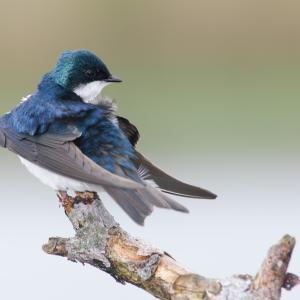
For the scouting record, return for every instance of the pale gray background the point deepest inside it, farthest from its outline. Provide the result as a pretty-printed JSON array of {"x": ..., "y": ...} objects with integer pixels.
[{"x": 257, "y": 205}]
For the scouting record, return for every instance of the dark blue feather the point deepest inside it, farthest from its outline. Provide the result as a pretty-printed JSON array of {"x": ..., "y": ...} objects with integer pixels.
[{"x": 52, "y": 108}]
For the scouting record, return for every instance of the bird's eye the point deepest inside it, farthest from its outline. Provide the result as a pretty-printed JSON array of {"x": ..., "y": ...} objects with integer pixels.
[{"x": 89, "y": 73}]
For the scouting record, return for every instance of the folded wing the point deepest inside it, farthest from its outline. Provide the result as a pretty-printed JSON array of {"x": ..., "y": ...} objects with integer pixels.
[
  {"x": 60, "y": 155},
  {"x": 169, "y": 184},
  {"x": 164, "y": 181}
]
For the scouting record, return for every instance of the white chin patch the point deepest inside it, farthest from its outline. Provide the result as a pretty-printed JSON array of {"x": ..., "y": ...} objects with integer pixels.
[{"x": 89, "y": 91}]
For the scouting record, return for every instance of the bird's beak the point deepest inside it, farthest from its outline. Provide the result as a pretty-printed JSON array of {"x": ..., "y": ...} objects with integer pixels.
[{"x": 112, "y": 78}]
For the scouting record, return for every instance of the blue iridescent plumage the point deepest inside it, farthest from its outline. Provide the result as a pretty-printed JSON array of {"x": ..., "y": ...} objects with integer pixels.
[
  {"x": 71, "y": 144},
  {"x": 53, "y": 107}
]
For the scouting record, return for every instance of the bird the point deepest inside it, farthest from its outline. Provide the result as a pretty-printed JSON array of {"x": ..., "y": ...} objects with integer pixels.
[{"x": 71, "y": 138}]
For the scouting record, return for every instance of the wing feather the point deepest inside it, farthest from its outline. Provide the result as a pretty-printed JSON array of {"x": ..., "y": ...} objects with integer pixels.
[
  {"x": 147, "y": 170},
  {"x": 60, "y": 155},
  {"x": 169, "y": 184}
]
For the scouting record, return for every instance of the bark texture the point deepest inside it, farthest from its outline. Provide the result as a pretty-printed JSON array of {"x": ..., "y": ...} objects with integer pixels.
[{"x": 101, "y": 242}]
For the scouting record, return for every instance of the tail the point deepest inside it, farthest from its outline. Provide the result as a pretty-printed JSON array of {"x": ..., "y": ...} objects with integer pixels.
[{"x": 139, "y": 204}]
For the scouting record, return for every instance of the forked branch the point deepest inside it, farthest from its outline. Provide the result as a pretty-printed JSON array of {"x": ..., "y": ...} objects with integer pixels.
[{"x": 101, "y": 242}]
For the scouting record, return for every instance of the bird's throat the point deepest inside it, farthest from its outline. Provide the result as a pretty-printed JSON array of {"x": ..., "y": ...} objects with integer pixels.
[{"x": 88, "y": 92}]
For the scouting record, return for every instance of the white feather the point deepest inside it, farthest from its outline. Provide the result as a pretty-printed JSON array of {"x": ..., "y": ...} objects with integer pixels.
[
  {"x": 24, "y": 99},
  {"x": 110, "y": 105},
  {"x": 59, "y": 182},
  {"x": 89, "y": 91},
  {"x": 144, "y": 174}
]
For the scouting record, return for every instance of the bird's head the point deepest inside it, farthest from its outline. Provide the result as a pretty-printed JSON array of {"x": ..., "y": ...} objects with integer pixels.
[{"x": 82, "y": 72}]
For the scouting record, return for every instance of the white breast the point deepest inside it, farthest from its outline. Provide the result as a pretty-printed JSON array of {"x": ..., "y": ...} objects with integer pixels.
[{"x": 58, "y": 182}]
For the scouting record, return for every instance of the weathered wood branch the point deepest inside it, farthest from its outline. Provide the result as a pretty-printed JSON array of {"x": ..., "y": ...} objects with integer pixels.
[{"x": 101, "y": 242}]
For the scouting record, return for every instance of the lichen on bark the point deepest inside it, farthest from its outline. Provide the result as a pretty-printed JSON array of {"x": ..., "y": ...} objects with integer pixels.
[{"x": 102, "y": 243}]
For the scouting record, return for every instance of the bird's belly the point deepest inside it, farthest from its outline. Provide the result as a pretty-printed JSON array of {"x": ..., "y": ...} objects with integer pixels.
[{"x": 58, "y": 182}]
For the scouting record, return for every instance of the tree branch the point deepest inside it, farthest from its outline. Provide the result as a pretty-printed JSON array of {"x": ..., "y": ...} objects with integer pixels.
[{"x": 102, "y": 243}]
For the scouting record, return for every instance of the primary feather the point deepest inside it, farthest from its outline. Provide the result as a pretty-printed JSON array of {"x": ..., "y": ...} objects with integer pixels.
[{"x": 149, "y": 171}]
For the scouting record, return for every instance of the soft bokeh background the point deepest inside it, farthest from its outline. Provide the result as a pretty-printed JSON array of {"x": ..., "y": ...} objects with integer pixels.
[{"x": 213, "y": 87}]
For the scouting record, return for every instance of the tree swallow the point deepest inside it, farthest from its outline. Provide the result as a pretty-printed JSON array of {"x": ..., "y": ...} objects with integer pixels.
[{"x": 70, "y": 137}]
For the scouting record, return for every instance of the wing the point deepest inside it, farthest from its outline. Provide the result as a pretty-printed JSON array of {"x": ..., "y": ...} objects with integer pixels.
[
  {"x": 130, "y": 130},
  {"x": 59, "y": 154},
  {"x": 164, "y": 181},
  {"x": 169, "y": 184}
]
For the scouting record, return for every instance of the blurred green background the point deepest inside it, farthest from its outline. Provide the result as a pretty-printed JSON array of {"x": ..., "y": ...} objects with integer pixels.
[
  {"x": 210, "y": 74},
  {"x": 213, "y": 86}
]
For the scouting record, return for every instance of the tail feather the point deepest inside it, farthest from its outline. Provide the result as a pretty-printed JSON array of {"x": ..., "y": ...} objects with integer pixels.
[
  {"x": 175, "y": 205},
  {"x": 139, "y": 204},
  {"x": 135, "y": 207},
  {"x": 163, "y": 201}
]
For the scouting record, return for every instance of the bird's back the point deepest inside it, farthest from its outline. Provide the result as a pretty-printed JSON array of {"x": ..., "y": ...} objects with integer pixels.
[{"x": 56, "y": 110}]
